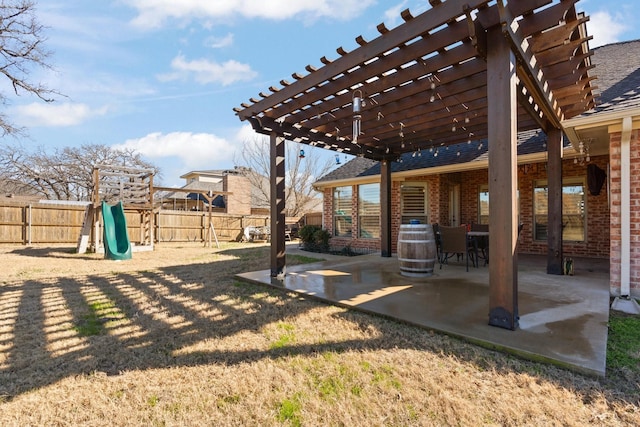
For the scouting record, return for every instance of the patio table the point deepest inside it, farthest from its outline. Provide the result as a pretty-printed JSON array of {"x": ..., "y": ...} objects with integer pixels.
[{"x": 477, "y": 237}]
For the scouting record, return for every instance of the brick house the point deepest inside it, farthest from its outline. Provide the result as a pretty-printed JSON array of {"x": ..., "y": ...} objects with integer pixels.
[
  {"x": 242, "y": 200},
  {"x": 449, "y": 185}
]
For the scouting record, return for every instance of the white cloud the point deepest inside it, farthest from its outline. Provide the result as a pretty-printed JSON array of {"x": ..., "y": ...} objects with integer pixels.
[
  {"x": 392, "y": 15},
  {"x": 247, "y": 135},
  {"x": 56, "y": 114},
  {"x": 204, "y": 71},
  {"x": 219, "y": 42},
  {"x": 606, "y": 28},
  {"x": 153, "y": 13},
  {"x": 194, "y": 150}
]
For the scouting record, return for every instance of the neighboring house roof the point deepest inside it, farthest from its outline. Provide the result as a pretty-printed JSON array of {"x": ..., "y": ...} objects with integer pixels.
[
  {"x": 210, "y": 172},
  {"x": 197, "y": 186}
]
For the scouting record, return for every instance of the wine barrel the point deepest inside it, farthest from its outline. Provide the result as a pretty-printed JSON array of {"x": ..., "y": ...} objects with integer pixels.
[{"x": 416, "y": 250}]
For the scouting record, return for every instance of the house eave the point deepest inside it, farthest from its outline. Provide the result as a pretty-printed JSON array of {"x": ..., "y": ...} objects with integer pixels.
[
  {"x": 437, "y": 170},
  {"x": 369, "y": 179},
  {"x": 572, "y": 126}
]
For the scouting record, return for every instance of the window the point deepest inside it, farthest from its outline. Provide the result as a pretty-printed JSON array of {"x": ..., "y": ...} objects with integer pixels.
[
  {"x": 369, "y": 211},
  {"x": 413, "y": 202},
  {"x": 483, "y": 204},
  {"x": 573, "y": 210},
  {"x": 342, "y": 211}
]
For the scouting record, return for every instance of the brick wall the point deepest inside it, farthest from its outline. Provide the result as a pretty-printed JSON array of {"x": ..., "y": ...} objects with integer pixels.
[
  {"x": 615, "y": 222},
  {"x": 596, "y": 244},
  {"x": 238, "y": 203}
]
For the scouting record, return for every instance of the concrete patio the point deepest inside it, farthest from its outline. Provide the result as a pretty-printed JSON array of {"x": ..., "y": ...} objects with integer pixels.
[{"x": 563, "y": 319}]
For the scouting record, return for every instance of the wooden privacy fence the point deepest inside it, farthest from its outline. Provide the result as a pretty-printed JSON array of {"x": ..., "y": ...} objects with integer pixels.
[
  {"x": 40, "y": 223},
  {"x": 61, "y": 223},
  {"x": 312, "y": 218}
]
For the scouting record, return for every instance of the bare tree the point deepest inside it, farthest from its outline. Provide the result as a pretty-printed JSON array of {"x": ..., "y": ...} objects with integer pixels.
[
  {"x": 21, "y": 50},
  {"x": 65, "y": 174},
  {"x": 301, "y": 172}
]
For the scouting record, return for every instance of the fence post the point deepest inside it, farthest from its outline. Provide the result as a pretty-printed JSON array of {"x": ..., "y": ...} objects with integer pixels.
[
  {"x": 30, "y": 230},
  {"x": 23, "y": 216},
  {"x": 156, "y": 235}
]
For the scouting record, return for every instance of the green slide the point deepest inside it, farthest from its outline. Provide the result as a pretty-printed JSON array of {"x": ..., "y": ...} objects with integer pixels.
[{"x": 116, "y": 238}]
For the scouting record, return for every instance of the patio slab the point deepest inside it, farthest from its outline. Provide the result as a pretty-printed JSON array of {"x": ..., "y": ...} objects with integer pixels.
[{"x": 563, "y": 319}]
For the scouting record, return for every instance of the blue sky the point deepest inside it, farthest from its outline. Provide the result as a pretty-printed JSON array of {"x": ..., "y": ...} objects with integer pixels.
[{"x": 163, "y": 76}]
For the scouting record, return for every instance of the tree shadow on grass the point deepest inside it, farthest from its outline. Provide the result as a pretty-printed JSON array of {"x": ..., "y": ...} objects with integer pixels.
[
  {"x": 65, "y": 252},
  {"x": 193, "y": 315}
]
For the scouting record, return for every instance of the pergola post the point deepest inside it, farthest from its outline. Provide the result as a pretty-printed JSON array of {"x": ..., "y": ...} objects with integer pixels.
[
  {"x": 502, "y": 121},
  {"x": 554, "y": 212},
  {"x": 385, "y": 208},
  {"x": 277, "y": 184}
]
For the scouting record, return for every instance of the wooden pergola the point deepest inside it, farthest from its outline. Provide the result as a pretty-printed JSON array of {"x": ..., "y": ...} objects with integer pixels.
[{"x": 464, "y": 70}]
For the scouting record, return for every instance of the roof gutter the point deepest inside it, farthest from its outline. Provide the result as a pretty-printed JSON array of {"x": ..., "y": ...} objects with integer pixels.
[{"x": 575, "y": 124}]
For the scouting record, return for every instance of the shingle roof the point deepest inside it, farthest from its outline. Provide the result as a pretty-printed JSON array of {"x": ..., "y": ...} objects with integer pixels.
[
  {"x": 528, "y": 142},
  {"x": 618, "y": 72}
]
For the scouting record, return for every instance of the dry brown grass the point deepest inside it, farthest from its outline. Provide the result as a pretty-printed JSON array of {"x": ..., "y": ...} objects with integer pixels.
[{"x": 180, "y": 342}]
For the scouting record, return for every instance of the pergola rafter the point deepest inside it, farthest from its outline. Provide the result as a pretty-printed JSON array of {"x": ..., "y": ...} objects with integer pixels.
[{"x": 445, "y": 47}]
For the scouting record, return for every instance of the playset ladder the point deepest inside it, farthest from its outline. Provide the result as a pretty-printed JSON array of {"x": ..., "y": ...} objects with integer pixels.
[{"x": 85, "y": 233}]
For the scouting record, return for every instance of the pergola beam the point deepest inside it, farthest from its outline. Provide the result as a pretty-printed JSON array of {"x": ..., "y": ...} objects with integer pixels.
[
  {"x": 501, "y": 94},
  {"x": 529, "y": 71},
  {"x": 387, "y": 42}
]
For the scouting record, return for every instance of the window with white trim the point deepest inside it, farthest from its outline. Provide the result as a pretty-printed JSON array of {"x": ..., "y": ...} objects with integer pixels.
[
  {"x": 369, "y": 211},
  {"x": 414, "y": 202},
  {"x": 342, "y": 211}
]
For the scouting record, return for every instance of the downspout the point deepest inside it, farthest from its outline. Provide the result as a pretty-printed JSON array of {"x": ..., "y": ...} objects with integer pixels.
[{"x": 625, "y": 208}]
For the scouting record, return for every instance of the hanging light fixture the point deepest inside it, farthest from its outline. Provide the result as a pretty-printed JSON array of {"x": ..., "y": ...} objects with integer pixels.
[
  {"x": 301, "y": 155},
  {"x": 583, "y": 152},
  {"x": 337, "y": 159},
  {"x": 358, "y": 103}
]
